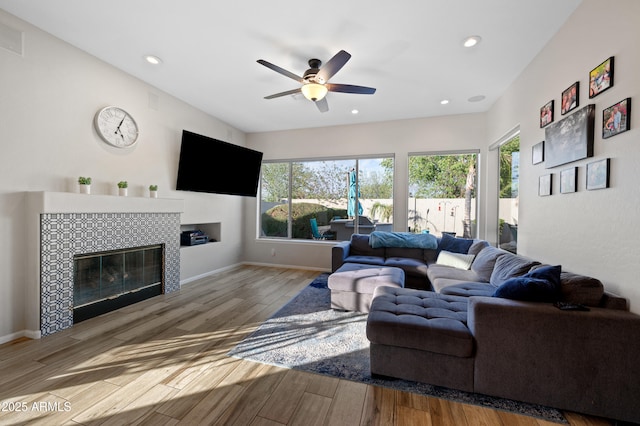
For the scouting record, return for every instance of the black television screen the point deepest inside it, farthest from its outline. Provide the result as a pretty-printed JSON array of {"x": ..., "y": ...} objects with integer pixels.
[{"x": 211, "y": 165}]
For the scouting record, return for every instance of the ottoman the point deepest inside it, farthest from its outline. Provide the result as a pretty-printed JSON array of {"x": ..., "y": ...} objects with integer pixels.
[
  {"x": 352, "y": 285},
  {"x": 421, "y": 336}
]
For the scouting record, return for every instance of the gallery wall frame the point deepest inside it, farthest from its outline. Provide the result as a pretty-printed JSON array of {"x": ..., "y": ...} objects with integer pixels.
[
  {"x": 570, "y": 98},
  {"x": 544, "y": 185},
  {"x": 601, "y": 77},
  {"x": 537, "y": 153},
  {"x": 571, "y": 138},
  {"x": 546, "y": 114},
  {"x": 569, "y": 180},
  {"x": 598, "y": 174},
  {"x": 616, "y": 118}
]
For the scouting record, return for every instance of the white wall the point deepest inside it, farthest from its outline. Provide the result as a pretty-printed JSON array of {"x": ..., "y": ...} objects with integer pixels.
[
  {"x": 591, "y": 232},
  {"x": 440, "y": 134},
  {"x": 48, "y": 98}
]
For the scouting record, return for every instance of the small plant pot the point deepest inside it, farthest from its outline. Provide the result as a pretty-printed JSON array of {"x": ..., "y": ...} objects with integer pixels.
[
  {"x": 85, "y": 189},
  {"x": 153, "y": 194},
  {"x": 122, "y": 192}
]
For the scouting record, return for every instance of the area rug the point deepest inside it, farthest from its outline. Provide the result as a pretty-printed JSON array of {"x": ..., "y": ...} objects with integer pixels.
[{"x": 306, "y": 334}]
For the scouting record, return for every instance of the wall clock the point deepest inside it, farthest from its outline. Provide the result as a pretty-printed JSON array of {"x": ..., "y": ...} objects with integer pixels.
[{"x": 116, "y": 127}]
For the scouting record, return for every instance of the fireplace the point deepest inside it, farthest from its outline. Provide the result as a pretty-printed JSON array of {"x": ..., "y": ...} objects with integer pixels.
[
  {"x": 108, "y": 280},
  {"x": 78, "y": 226}
]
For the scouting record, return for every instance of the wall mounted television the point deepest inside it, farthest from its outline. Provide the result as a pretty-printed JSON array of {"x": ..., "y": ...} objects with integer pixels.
[{"x": 211, "y": 165}]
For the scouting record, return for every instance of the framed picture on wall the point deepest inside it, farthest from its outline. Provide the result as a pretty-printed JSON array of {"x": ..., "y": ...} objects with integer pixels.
[
  {"x": 571, "y": 138},
  {"x": 601, "y": 78},
  {"x": 537, "y": 153},
  {"x": 568, "y": 180},
  {"x": 570, "y": 98},
  {"x": 546, "y": 114},
  {"x": 544, "y": 185},
  {"x": 616, "y": 119},
  {"x": 598, "y": 174}
]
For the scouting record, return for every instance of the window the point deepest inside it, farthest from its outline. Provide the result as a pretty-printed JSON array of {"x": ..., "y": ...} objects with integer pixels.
[
  {"x": 509, "y": 164},
  {"x": 442, "y": 193},
  {"x": 344, "y": 196}
]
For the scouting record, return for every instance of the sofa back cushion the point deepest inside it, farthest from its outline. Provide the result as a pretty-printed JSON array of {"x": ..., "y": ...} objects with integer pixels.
[
  {"x": 477, "y": 246},
  {"x": 411, "y": 253},
  {"x": 360, "y": 247},
  {"x": 581, "y": 289},
  {"x": 485, "y": 261},
  {"x": 510, "y": 265}
]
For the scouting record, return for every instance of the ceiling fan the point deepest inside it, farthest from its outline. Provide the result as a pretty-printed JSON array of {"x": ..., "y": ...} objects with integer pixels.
[{"x": 315, "y": 81}]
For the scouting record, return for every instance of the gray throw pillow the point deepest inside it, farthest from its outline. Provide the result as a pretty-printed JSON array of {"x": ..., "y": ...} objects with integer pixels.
[{"x": 509, "y": 266}]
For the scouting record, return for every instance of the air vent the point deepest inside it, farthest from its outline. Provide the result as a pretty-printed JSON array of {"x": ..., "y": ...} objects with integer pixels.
[{"x": 10, "y": 39}]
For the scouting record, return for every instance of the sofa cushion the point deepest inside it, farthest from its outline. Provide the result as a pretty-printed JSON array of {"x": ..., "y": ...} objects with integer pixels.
[
  {"x": 485, "y": 261},
  {"x": 469, "y": 289},
  {"x": 367, "y": 260},
  {"x": 360, "y": 246},
  {"x": 455, "y": 245},
  {"x": 410, "y": 266},
  {"x": 581, "y": 289},
  {"x": 413, "y": 253},
  {"x": 456, "y": 260},
  {"x": 436, "y": 271},
  {"x": 510, "y": 266},
  {"x": 477, "y": 246}
]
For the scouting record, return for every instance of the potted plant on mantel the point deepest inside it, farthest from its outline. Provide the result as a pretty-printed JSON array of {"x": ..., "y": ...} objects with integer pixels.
[
  {"x": 122, "y": 188},
  {"x": 85, "y": 185},
  {"x": 153, "y": 191}
]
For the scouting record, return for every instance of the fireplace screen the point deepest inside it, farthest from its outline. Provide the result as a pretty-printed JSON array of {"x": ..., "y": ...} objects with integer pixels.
[{"x": 108, "y": 275}]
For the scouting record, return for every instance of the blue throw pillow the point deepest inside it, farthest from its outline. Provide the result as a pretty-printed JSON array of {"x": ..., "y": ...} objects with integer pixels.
[
  {"x": 455, "y": 245},
  {"x": 549, "y": 273},
  {"x": 527, "y": 289}
]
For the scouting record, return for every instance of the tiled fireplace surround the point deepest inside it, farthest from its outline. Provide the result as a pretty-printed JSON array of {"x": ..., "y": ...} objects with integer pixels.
[{"x": 72, "y": 224}]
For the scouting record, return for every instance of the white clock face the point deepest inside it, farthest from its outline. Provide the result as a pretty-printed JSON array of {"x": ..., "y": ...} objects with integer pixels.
[{"x": 116, "y": 127}]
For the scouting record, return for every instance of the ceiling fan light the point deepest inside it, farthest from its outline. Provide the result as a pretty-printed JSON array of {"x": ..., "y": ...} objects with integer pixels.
[{"x": 314, "y": 91}]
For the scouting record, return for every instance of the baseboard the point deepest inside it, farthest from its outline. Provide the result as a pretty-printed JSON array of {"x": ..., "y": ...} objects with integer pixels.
[
  {"x": 275, "y": 265},
  {"x": 31, "y": 334},
  {"x": 207, "y": 274}
]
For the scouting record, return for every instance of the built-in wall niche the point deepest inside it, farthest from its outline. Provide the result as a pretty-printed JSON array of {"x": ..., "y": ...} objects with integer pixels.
[{"x": 210, "y": 229}]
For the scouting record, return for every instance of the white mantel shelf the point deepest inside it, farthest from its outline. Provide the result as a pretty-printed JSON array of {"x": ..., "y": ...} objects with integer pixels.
[{"x": 67, "y": 202}]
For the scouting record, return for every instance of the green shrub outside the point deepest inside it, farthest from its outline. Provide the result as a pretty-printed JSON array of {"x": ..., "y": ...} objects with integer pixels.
[{"x": 274, "y": 220}]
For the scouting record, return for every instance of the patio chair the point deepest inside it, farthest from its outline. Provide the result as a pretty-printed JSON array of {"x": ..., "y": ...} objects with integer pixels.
[{"x": 317, "y": 235}]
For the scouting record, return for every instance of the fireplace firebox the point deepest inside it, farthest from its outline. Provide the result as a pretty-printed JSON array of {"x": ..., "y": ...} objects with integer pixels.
[{"x": 108, "y": 280}]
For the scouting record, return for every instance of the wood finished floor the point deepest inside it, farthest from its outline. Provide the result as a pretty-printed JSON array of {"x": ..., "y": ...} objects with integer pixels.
[{"x": 163, "y": 362}]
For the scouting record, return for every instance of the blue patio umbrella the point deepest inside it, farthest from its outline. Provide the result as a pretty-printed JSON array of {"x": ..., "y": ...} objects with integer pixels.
[{"x": 351, "y": 206}]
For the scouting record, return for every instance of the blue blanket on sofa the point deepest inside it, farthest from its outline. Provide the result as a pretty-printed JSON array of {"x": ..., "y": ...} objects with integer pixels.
[{"x": 402, "y": 239}]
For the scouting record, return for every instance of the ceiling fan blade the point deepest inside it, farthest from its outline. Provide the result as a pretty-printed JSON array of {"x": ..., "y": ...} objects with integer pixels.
[
  {"x": 288, "y": 92},
  {"x": 280, "y": 70},
  {"x": 349, "y": 88},
  {"x": 334, "y": 65},
  {"x": 322, "y": 105}
]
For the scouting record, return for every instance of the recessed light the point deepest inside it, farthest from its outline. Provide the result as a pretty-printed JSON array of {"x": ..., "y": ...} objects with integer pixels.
[
  {"x": 154, "y": 60},
  {"x": 477, "y": 98},
  {"x": 471, "y": 41},
  {"x": 444, "y": 101},
  {"x": 354, "y": 111}
]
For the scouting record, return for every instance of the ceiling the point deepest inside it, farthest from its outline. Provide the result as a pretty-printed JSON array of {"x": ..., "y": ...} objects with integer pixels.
[{"x": 410, "y": 51}]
